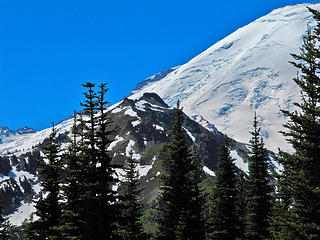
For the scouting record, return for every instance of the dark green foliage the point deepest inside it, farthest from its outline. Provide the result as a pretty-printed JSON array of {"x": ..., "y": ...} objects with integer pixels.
[
  {"x": 222, "y": 222},
  {"x": 108, "y": 208},
  {"x": 299, "y": 187},
  {"x": 241, "y": 205},
  {"x": 48, "y": 208},
  {"x": 5, "y": 227},
  {"x": 179, "y": 186},
  {"x": 98, "y": 208},
  {"x": 259, "y": 190},
  {"x": 131, "y": 226},
  {"x": 71, "y": 189},
  {"x": 191, "y": 224},
  {"x": 88, "y": 201}
]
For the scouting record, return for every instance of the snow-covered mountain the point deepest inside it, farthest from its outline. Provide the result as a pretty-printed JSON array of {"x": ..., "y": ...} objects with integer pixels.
[
  {"x": 245, "y": 72},
  {"x": 7, "y": 134},
  {"x": 142, "y": 125},
  {"x": 219, "y": 89}
]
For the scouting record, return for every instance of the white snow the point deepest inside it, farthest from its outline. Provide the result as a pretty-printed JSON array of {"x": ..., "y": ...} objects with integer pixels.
[
  {"x": 189, "y": 134},
  {"x": 239, "y": 161},
  {"x": 129, "y": 148},
  {"x": 135, "y": 123},
  {"x": 22, "y": 214},
  {"x": 117, "y": 110},
  {"x": 140, "y": 105},
  {"x": 157, "y": 127},
  {"x": 208, "y": 171},
  {"x": 245, "y": 72},
  {"x": 114, "y": 106},
  {"x": 131, "y": 113},
  {"x": 22, "y": 143},
  {"x": 117, "y": 139},
  {"x": 142, "y": 170}
]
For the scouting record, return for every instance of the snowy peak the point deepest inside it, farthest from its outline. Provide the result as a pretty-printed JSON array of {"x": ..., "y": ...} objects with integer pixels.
[
  {"x": 246, "y": 72},
  {"x": 7, "y": 135},
  {"x": 25, "y": 130},
  {"x": 154, "y": 78},
  {"x": 6, "y": 132},
  {"x": 154, "y": 99}
]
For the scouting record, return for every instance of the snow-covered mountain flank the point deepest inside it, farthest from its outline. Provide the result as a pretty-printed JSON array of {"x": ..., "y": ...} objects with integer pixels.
[
  {"x": 142, "y": 125},
  {"x": 6, "y": 134},
  {"x": 220, "y": 90},
  {"x": 245, "y": 72}
]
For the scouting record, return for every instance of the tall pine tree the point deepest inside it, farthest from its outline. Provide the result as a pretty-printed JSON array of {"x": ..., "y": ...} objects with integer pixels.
[
  {"x": 241, "y": 206},
  {"x": 48, "y": 207},
  {"x": 259, "y": 190},
  {"x": 299, "y": 185},
  {"x": 98, "y": 205},
  {"x": 70, "y": 228},
  {"x": 108, "y": 207},
  {"x": 191, "y": 224},
  {"x": 5, "y": 227},
  {"x": 222, "y": 222},
  {"x": 176, "y": 185},
  {"x": 131, "y": 227}
]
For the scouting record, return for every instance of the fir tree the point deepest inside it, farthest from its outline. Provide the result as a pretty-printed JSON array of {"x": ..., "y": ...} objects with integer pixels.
[
  {"x": 191, "y": 224},
  {"x": 48, "y": 208},
  {"x": 99, "y": 209},
  {"x": 87, "y": 198},
  {"x": 259, "y": 190},
  {"x": 110, "y": 208},
  {"x": 5, "y": 226},
  {"x": 241, "y": 205},
  {"x": 176, "y": 185},
  {"x": 223, "y": 213},
  {"x": 131, "y": 227},
  {"x": 70, "y": 227},
  {"x": 298, "y": 193}
]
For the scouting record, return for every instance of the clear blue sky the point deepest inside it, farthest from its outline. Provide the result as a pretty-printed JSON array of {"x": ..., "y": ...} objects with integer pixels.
[{"x": 49, "y": 48}]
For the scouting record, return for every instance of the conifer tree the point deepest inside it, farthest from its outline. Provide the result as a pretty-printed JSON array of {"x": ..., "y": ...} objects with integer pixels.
[
  {"x": 241, "y": 205},
  {"x": 222, "y": 222},
  {"x": 5, "y": 226},
  {"x": 131, "y": 227},
  {"x": 191, "y": 224},
  {"x": 108, "y": 214},
  {"x": 176, "y": 185},
  {"x": 259, "y": 190},
  {"x": 48, "y": 208},
  {"x": 70, "y": 227},
  {"x": 299, "y": 185},
  {"x": 88, "y": 199},
  {"x": 99, "y": 209}
]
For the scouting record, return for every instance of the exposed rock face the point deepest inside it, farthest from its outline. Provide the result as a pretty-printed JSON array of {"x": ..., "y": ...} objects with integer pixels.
[
  {"x": 142, "y": 125},
  {"x": 5, "y": 166}
]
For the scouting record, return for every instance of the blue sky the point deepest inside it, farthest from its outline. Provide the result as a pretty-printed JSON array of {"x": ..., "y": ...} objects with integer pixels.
[{"x": 49, "y": 48}]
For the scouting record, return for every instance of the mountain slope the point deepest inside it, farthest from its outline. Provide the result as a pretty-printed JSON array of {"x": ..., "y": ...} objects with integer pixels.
[
  {"x": 142, "y": 125},
  {"x": 245, "y": 72}
]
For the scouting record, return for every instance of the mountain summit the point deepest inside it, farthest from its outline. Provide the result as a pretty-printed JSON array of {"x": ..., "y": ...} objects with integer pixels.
[{"x": 245, "y": 72}]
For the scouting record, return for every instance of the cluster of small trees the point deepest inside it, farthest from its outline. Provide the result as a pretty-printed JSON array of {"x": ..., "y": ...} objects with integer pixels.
[
  {"x": 239, "y": 208},
  {"x": 77, "y": 198},
  {"x": 79, "y": 201}
]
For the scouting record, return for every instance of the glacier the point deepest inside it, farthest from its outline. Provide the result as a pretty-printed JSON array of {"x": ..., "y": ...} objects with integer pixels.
[{"x": 246, "y": 72}]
